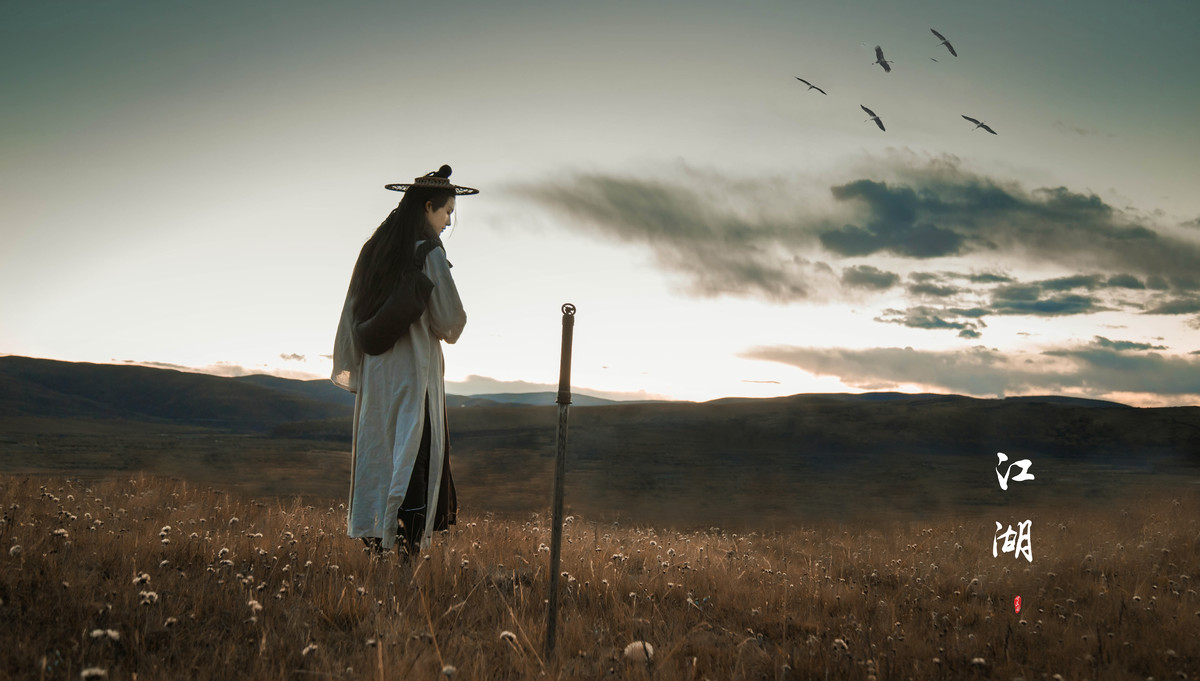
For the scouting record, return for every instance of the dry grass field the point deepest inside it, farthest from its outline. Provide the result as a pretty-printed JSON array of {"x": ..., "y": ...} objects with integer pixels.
[{"x": 143, "y": 577}]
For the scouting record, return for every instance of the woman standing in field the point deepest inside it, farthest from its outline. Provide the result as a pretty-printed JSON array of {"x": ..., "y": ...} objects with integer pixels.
[{"x": 400, "y": 489}]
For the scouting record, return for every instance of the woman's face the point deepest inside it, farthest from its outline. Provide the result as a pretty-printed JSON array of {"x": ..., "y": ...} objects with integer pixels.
[{"x": 439, "y": 218}]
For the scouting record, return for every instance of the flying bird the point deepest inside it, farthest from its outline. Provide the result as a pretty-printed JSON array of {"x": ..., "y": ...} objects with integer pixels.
[
  {"x": 810, "y": 85},
  {"x": 944, "y": 42},
  {"x": 880, "y": 60},
  {"x": 979, "y": 124},
  {"x": 873, "y": 117}
]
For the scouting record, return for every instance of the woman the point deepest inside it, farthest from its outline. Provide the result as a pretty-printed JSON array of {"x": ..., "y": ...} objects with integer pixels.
[{"x": 401, "y": 490}]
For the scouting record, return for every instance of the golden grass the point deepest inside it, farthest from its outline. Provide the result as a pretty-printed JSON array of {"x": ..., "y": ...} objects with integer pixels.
[{"x": 152, "y": 578}]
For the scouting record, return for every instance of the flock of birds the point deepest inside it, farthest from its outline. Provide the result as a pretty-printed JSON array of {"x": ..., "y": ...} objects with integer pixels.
[{"x": 886, "y": 64}]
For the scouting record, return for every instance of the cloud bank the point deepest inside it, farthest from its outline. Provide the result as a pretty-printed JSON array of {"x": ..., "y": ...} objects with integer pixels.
[
  {"x": 756, "y": 238},
  {"x": 1100, "y": 369}
]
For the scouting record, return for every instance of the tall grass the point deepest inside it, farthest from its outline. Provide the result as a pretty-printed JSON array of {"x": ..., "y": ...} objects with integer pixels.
[{"x": 152, "y": 578}]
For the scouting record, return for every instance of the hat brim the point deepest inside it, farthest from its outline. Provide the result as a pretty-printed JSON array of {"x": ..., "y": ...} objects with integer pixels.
[{"x": 458, "y": 191}]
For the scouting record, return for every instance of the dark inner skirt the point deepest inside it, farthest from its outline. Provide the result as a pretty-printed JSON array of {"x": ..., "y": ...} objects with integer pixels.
[{"x": 412, "y": 515}]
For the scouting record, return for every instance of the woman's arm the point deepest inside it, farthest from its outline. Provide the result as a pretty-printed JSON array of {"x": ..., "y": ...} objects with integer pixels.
[{"x": 446, "y": 315}]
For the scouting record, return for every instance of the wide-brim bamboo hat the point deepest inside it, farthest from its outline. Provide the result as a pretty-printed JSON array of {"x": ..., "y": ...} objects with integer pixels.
[{"x": 439, "y": 179}]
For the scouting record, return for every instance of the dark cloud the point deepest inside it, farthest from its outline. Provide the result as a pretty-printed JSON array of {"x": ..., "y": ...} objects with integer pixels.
[
  {"x": 1094, "y": 369},
  {"x": 1027, "y": 300},
  {"x": 990, "y": 279},
  {"x": 1191, "y": 224},
  {"x": 892, "y": 225},
  {"x": 930, "y": 290},
  {"x": 1061, "y": 306},
  {"x": 1087, "y": 281},
  {"x": 1122, "y": 346},
  {"x": 1157, "y": 282},
  {"x": 1185, "y": 282},
  {"x": 1125, "y": 281},
  {"x": 1178, "y": 306},
  {"x": 868, "y": 277},
  {"x": 926, "y": 277},
  {"x": 1045, "y": 298},
  {"x": 966, "y": 322}
]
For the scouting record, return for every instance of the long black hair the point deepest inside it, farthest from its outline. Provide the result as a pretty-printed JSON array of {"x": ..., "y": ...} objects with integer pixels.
[{"x": 388, "y": 254}]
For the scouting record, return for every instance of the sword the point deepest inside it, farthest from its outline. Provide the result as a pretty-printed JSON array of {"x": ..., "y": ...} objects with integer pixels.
[{"x": 560, "y": 465}]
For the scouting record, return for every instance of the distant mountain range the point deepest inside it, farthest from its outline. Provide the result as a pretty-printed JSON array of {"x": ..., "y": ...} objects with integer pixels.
[
  {"x": 257, "y": 403},
  {"x": 809, "y": 454},
  {"x": 886, "y": 421}
]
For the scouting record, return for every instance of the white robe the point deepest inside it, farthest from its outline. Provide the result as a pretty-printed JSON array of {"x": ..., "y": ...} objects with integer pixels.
[{"x": 389, "y": 408}]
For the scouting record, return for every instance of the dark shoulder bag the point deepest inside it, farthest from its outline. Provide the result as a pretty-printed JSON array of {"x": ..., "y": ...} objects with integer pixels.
[{"x": 377, "y": 334}]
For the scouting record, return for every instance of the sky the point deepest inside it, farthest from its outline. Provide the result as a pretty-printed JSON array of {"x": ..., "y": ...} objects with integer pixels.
[{"x": 188, "y": 184}]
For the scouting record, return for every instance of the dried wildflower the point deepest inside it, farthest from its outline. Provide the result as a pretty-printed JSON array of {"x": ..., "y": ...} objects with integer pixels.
[
  {"x": 93, "y": 673},
  {"x": 171, "y": 621},
  {"x": 148, "y": 597},
  {"x": 15, "y": 550},
  {"x": 449, "y": 670},
  {"x": 978, "y": 662},
  {"x": 840, "y": 644},
  {"x": 60, "y": 532},
  {"x": 142, "y": 578},
  {"x": 310, "y": 648},
  {"x": 507, "y": 635},
  {"x": 255, "y": 607},
  {"x": 111, "y": 634},
  {"x": 639, "y": 651}
]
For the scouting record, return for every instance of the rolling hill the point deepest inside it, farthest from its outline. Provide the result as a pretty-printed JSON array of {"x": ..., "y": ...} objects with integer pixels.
[{"x": 752, "y": 458}]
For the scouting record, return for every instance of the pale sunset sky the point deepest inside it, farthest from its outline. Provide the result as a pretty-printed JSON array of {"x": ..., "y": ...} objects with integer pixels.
[{"x": 187, "y": 184}]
